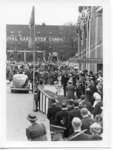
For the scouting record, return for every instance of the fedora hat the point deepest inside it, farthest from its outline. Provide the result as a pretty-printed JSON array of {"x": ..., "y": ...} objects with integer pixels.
[{"x": 32, "y": 117}]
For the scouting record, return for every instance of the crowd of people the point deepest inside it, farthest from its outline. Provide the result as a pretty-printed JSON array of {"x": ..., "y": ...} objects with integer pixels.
[
  {"x": 81, "y": 112},
  {"x": 43, "y": 72},
  {"x": 82, "y": 108}
]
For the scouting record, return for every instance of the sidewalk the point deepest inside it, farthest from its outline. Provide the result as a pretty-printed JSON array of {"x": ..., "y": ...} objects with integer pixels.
[{"x": 18, "y": 107}]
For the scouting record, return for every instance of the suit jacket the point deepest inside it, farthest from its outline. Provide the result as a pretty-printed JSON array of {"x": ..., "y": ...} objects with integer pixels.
[
  {"x": 74, "y": 79},
  {"x": 36, "y": 132},
  {"x": 62, "y": 119},
  {"x": 52, "y": 111},
  {"x": 73, "y": 113},
  {"x": 88, "y": 105},
  {"x": 80, "y": 136},
  {"x": 64, "y": 80}
]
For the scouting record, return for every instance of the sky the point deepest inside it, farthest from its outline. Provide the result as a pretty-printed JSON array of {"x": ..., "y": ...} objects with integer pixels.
[{"x": 50, "y": 12}]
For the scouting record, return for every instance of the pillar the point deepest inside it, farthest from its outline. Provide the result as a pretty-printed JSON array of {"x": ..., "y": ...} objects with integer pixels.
[
  {"x": 25, "y": 57},
  {"x": 96, "y": 41}
]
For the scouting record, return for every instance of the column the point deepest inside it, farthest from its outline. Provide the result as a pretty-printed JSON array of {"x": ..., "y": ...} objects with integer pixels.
[
  {"x": 96, "y": 41},
  {"x": 89, "y": 44},
  {"x": 25, "y": 57}
]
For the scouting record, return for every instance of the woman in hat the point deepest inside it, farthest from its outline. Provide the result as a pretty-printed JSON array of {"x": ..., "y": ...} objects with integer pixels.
[{"x": 37, "y": 131}]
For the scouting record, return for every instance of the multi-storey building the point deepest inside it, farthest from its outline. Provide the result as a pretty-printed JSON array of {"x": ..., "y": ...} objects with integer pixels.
[
  {"x": 90, "y": 38},
  {"x": 48, "y": 39}
]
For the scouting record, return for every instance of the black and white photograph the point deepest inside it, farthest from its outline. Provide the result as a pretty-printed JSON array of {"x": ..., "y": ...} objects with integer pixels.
[{"x": 54, "y": 71}]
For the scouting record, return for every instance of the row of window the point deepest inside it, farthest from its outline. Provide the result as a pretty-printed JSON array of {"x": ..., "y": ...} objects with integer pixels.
[{"x": 40, "y": 39}]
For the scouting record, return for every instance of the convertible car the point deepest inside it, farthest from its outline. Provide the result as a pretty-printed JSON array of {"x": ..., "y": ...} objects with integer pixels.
[{"x": 20, "y": 83}]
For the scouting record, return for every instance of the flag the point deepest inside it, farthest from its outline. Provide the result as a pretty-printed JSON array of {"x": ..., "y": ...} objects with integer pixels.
[
  {"x": 79, "y": 32},
  {"x": 32, "y": 28},
  {"x": 32, "y": 19},
  {"x": 85, "y": 30}
]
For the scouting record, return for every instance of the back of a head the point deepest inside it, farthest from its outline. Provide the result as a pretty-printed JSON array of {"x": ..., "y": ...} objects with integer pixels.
[
  {"x": 95, "y": 128},
  {"x": 41, "y": 82},
  {"x": 87, "y": 91},
  {"x": 64, "y": 104},
  {"x": 76, "y": 104},
  {"x": 76, "y": 123},
  {"x": 70, "y": 104},
  {"x": 97, "y": 96},
  {"x": 53, "y": 102},
  {"x": 84, "y": 112},
  {"x": 98, "y": 118}
]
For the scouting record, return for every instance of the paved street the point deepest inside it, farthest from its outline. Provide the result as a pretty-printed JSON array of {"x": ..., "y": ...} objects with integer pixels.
[{"x": 18, "y": 107}]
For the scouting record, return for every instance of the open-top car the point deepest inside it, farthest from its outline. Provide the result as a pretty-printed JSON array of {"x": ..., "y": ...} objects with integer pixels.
[{"x": 20, "y": 83}]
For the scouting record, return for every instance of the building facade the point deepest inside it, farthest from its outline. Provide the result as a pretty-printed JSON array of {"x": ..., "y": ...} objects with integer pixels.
[
  {"x": 90, "y": 38},
  {"x": 48, "y": 39}
]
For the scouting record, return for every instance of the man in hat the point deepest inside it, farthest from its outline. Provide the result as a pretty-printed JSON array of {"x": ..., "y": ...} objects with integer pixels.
[{"x": 37, "y": 131}]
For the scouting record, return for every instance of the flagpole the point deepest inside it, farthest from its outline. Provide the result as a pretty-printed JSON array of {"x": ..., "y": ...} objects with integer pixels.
[
  {"x": 89, "y": 34},
  {"x": 34, "y": 59},
  {"x": 34, "y": 55}
]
